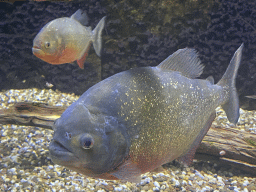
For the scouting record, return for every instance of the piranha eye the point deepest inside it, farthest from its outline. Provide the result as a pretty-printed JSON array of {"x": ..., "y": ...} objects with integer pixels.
[
  {"x": 86, "y": 142},
  {"x": 47, "y": 44}
]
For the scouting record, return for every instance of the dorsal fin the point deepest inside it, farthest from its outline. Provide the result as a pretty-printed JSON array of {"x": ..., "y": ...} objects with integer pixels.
[
  {"x": 185, "y": 61},
  {"x": 81, "y": 17}
]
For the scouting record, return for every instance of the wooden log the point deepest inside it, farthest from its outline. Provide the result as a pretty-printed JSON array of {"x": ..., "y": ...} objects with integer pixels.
[
  {"x": 231, "y": 146},
  {"x": 31, "y": 114},
  {"x": 228, "y": 145}
]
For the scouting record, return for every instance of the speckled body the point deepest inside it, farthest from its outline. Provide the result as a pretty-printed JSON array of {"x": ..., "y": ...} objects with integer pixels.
[
  {"x": 161, "y": 116},
  {"x": 71, "y": 34},
  {"x": 140, "y": 119}
]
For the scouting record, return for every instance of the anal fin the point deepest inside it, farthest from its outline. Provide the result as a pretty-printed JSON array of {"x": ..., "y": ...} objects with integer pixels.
[
  {"x": 187, "y": 159},
  {"x": 81, "y": 61}
]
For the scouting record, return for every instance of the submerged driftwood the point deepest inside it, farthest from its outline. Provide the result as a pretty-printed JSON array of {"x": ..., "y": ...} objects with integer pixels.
[
  {"x": 231, "y": 146},
  {"x": 227, "y": 145},
  {"x": 31, "y": 114}
]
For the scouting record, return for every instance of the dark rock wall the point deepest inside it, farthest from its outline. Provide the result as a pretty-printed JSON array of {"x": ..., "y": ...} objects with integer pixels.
[{"x": 137, "y": 33}]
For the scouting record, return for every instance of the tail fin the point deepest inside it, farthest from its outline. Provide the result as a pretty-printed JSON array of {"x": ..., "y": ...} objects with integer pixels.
[
  {"x": 231, "y": 106},
  {"x": 97, "y": 39}
]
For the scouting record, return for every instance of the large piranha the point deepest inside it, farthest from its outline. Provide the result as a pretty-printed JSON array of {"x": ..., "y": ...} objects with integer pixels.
[{"x": 137, "y": 120}]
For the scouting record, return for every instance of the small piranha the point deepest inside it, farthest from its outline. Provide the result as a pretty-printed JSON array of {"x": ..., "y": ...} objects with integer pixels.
[
  {"x": 67, "y": 39},
  {"x": 137, "y": 120}
]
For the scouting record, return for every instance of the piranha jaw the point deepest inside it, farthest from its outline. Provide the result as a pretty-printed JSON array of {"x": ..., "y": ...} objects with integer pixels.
[
  {"x": 38, "y": 52},
  {"x": 52, "y": 59},
  {"x": 60, "y": 154}
]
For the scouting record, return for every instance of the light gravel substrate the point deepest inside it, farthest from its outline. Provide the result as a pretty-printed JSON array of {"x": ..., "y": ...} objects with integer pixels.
[{"x": 25, "y": 164}]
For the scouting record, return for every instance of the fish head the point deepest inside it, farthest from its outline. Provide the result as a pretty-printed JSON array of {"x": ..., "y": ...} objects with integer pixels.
[
  {"x": 48, "y": 44},
  {"x": 88, "y": 141}
]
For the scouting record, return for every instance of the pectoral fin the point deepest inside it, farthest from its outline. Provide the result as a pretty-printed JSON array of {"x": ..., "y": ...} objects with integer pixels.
[{"x": 128, "y": 171}]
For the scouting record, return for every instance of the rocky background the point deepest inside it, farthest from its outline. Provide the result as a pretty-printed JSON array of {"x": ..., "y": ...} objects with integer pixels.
[{"x": 137, "y": 33}]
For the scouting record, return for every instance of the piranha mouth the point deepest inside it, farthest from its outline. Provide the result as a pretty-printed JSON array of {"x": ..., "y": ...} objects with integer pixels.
[
  {"x": 59, "y": 153},
  {"x": 52, "y": 59},
  {"x": 37, "y": 51}
]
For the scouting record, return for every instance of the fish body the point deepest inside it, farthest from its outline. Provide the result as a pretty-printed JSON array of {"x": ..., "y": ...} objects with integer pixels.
[
  {"x": 67, "y": 39},
  {"x": 137, "y": 120}
]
